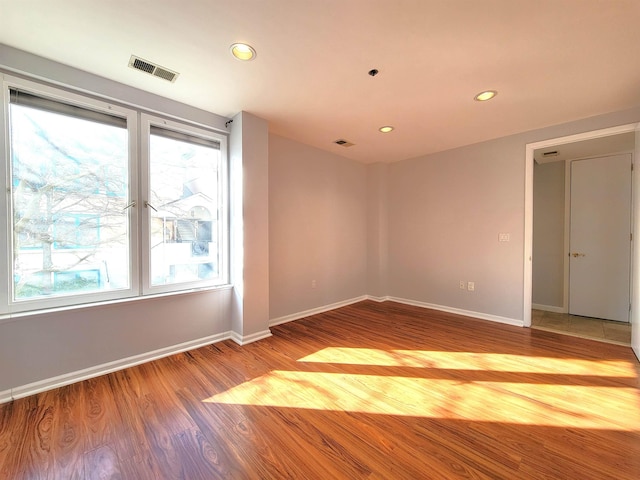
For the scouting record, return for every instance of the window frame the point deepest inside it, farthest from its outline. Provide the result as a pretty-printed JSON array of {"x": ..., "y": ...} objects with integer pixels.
[
  {"x": 7, "y": 303},
  {"x": 138, "y": 124},
  {"x": 147, "y": 121}
]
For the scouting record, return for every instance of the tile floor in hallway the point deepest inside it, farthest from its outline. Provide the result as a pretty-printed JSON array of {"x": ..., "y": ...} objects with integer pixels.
[{"x": 584, "y": 327}]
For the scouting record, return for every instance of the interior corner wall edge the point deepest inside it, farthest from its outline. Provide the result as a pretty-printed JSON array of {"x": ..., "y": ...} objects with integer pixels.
[
  {"x": 317, "y": 228},
  {"x": 635, "y": 266}
]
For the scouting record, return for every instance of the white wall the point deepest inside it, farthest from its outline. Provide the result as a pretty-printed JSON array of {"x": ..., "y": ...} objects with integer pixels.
[
  {"x": 548, "y": 234},
  {"x": 317, "y": 228}
]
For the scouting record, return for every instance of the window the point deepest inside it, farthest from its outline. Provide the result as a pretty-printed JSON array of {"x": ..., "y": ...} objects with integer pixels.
[
  {"x": 75, "y": 213},
  {"x": 186, "y": 205},
  {"x": 62, "y": 221}
]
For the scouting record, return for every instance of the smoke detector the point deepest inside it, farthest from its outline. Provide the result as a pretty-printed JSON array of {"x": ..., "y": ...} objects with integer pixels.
[{"x": 153, "y": 69}]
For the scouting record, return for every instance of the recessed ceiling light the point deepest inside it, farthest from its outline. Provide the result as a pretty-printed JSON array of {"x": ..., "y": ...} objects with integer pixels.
[
  {"x": 243, "y": 52},
  {"x": 484, "y": 96},
  {"x": 386, "y": 129}
]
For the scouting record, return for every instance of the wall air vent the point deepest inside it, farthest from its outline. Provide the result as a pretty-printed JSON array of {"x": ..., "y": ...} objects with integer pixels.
[
  {"x": 344, "y": 143},
  {"x": 153, "y": 69}
]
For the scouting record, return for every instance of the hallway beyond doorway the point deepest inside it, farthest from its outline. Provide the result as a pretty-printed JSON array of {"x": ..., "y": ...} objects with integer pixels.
[{"x": 584, "y": 327}]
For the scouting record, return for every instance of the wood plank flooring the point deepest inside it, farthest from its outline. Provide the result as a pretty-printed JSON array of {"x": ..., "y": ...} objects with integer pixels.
[{"x": 373, "y": 390}]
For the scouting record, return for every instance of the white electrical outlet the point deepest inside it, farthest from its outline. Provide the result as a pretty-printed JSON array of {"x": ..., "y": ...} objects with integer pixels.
[
  {"x": 462, "y": 286},
  {"x": 313, "y": 284},
  {"x": 471, "y": 286},
  {"x": 504, "y": 237}
]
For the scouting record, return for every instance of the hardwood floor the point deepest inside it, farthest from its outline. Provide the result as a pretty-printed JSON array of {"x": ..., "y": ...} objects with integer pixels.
[{"x": 379, "y": 391}]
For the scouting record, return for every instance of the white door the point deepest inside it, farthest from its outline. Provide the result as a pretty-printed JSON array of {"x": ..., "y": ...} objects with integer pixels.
[{"x": 600, "y": 238}]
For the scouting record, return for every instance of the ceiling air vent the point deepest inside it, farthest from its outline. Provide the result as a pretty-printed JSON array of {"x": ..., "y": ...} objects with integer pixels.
[
  {"x": 344, "y": 143},
  {"x": 152, "y": 69}
]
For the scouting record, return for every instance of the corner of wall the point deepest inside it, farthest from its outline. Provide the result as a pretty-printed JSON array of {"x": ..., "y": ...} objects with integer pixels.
[
  {"x": 635, "y": 266},
  {"x": 377, "y": 230},
  {"x": 249, "y": 196}
]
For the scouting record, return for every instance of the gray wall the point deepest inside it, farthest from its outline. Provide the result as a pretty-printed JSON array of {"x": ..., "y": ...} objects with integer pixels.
[
  {"x": 249, "y": 165},
  {"x": 446, "y": 211},
  {"x": 635, "y": 266},
  {"x": 378, "y": 230},
  {"x": 36, "y": 348},
  {"x": 445, "y": 214},
  {"x": 548, "y": 234},
  {"x": 317, "y": 228},
  {"x": 410, "y": 230}
]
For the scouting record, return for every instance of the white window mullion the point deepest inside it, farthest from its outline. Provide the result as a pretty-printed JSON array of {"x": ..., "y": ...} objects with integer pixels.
[
  {"x": 134, "y": 204},
  {"x": 143, "y": 209}
]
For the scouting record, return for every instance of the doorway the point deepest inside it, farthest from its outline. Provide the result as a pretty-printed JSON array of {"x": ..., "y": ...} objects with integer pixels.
[{"x": 584, "y": 146}]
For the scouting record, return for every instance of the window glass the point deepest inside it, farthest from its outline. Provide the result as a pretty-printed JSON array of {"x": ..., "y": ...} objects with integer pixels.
[
  {"x": 69, "y": 192},
  {"x": 185, "y": 201}
]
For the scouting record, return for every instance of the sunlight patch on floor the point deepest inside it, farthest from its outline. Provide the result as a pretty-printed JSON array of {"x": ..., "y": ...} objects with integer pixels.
[
  {"x": 593, "y": 407},
  {"x": 495, "y": 362}
]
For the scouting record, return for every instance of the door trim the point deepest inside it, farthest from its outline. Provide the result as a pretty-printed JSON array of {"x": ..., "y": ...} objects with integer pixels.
[{"x": 528, "y": 201}]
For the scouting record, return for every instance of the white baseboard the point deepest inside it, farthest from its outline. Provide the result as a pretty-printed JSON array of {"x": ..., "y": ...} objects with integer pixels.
[
  {"x": 5, "y": 396},
  {"x": 377, "y": 299},
  {"x": 459, "y": 311},
  {"x": 254, "y": 337},
  {"x": 315, "y": 311},
  {"x": 548, "y": 308},
  {"x": 69, "y": 378}
]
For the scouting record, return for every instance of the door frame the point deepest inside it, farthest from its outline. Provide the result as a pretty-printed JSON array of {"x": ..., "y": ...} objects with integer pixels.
[{"x": 528, "y": 209}]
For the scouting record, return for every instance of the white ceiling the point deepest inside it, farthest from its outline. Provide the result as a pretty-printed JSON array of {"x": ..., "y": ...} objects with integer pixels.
[{"x": 552, "y": 61}]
